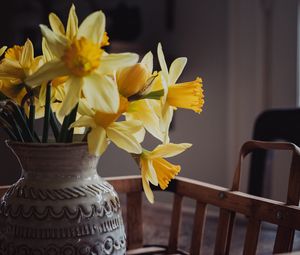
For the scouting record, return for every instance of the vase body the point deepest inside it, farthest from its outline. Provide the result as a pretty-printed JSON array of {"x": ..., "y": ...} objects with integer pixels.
[{"x": 60, "y": 205}]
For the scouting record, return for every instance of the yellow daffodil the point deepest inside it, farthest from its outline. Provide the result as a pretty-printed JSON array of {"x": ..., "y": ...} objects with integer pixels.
[
  {"x": 72, "y": 26},
  {"x": 104, "y": 129},
  {"x": 157, "y": 170},
  {"x": 137, "y": 80},
  {"x": 84, "y": 63},
  {"x": 188, "y": 95},
  {"x": 18, "y": 63},
  {"x": 132, "y": 79}
]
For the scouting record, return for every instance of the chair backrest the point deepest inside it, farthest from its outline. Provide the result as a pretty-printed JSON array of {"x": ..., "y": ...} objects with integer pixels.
[{"x": 229, "y": 201}]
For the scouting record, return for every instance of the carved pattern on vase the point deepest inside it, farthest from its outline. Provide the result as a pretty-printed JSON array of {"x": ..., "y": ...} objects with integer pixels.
[
  {"x": 108, "y": 208},
  {"x": 107, "y": 247},
  {"x": 28, "y": 192}
]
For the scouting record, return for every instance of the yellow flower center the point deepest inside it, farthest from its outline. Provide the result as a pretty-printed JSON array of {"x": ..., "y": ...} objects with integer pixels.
[
  {"x": 165, "y": 171},
  {"x": 187, "y": 95},
  {"x": 14, "y": 53},
  {"x": 105, "y": 119},
  {"x": 82, "y": 57}
]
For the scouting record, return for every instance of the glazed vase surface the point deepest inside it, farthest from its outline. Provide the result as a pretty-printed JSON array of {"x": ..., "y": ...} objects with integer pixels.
[{"x": 60, "y": 205}]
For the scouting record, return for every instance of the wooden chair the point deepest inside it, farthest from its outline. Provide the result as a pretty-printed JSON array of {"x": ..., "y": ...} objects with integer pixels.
[
  {"x": 229, "y": 201},
  {"x": 271, "y": 125}
]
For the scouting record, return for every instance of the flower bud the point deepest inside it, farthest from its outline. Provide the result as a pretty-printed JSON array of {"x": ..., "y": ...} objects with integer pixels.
[{"x": 132, "y": 79}]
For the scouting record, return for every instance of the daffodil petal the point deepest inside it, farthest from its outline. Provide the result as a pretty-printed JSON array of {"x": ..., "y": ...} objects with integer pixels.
[
  {"x": 176, "y": 69},
  {"x": 7, "y": 64},
  {"x": 97, "y": 141},
  {"x": 140, "y": 135},
  {"x": 169, "y": 150},
  {"x": 101, "y": 93},
  {"x": 141, "y": 110},
  {"x": 73, "y": 88},
  {"x": 56, "y": 24},
  {"x": 56, "y": 42},
  {"x": 131, "y": 126},
  {"x": 48, "y": 71},
  {"x": 27, "y": 54},
  {"x": 84, "y": 121},
  {"x": 148, "y": 61},
  {"x": 42, "y": 94},
  {"x": 93, "y": 27},
  {"x": 84, "y": 108},
  {"x": 161, "y": 59},
  {"x": 167, "y": 115},
  {"x": 72, "y": 26},
  {"x": 146, "y": 186},
  {"x": 47, "y": 54},
  {"x": 112, "y": 62},
  {"x": 10, "y": 70},
  {"x": 2, "y": 50},
  {"x": 36, "y": 64},
  {"x": 118, "y": 134}
]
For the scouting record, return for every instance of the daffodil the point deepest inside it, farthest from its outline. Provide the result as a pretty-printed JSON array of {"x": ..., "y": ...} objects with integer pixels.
[
  {"x": 188, "y": 95},
  {"x": 72, "y": 26},
  {"x": 104, "y": 129},
  {"x": 85, "y": 64},
  {"x": 18, "y": 63},
  {"x": 136, "y": 81},
  {"x": 158, "y": 171}
]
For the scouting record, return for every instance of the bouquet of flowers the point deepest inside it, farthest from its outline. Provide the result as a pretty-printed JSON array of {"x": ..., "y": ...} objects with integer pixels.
[{"x": 78, "y": 87}]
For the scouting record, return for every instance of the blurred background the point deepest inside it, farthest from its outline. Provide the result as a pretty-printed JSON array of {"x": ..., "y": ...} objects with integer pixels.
[{"x": 245, "y": 51}]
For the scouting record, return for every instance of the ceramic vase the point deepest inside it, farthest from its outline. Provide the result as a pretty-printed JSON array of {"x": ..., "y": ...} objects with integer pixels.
[{"x": 60, "y": 205}]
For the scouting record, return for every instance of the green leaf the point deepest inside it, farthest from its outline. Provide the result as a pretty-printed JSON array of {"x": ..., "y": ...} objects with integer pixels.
[{"x": 154, "y": 95}]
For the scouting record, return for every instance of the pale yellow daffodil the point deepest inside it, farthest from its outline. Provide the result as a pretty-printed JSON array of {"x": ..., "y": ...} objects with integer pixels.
[
  {"x": 188, "y": 95},
  {"x": 135, "y": 81},
  {"x": 84, "y": 63},
  {"x": 158, "y": 171},
  {"x": 104, "y": 129},
  {"x": 18, "y": 63},
  {"x": 72, "y": 26}
]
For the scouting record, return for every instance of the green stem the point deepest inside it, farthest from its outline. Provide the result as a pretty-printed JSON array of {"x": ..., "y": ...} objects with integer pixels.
[
  {"x": 54, "y": 125},
  {"x": 64, "y": 129},
  {"x": 66, "y": 135},
  {"x": 31, "y": 114},
  {"x": 71, "y": 120},
  {"x": 20, "y": 119},
  {"x": 47, "y": 113}
]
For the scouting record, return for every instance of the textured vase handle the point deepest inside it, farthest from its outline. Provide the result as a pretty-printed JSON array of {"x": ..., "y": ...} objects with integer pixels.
[{"x": 249, "y": 146}]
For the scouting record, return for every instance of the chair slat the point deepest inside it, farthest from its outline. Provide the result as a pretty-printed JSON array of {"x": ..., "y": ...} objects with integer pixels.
[
  {"x": 134, "y": 220},
  {"x": 284, "y": 240},
  {"x": 252, "y": 234},
  {"x": 199, "y": 220},
  {"x": 224, "y": 231},
  {"x": 175, "y": 224}
]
